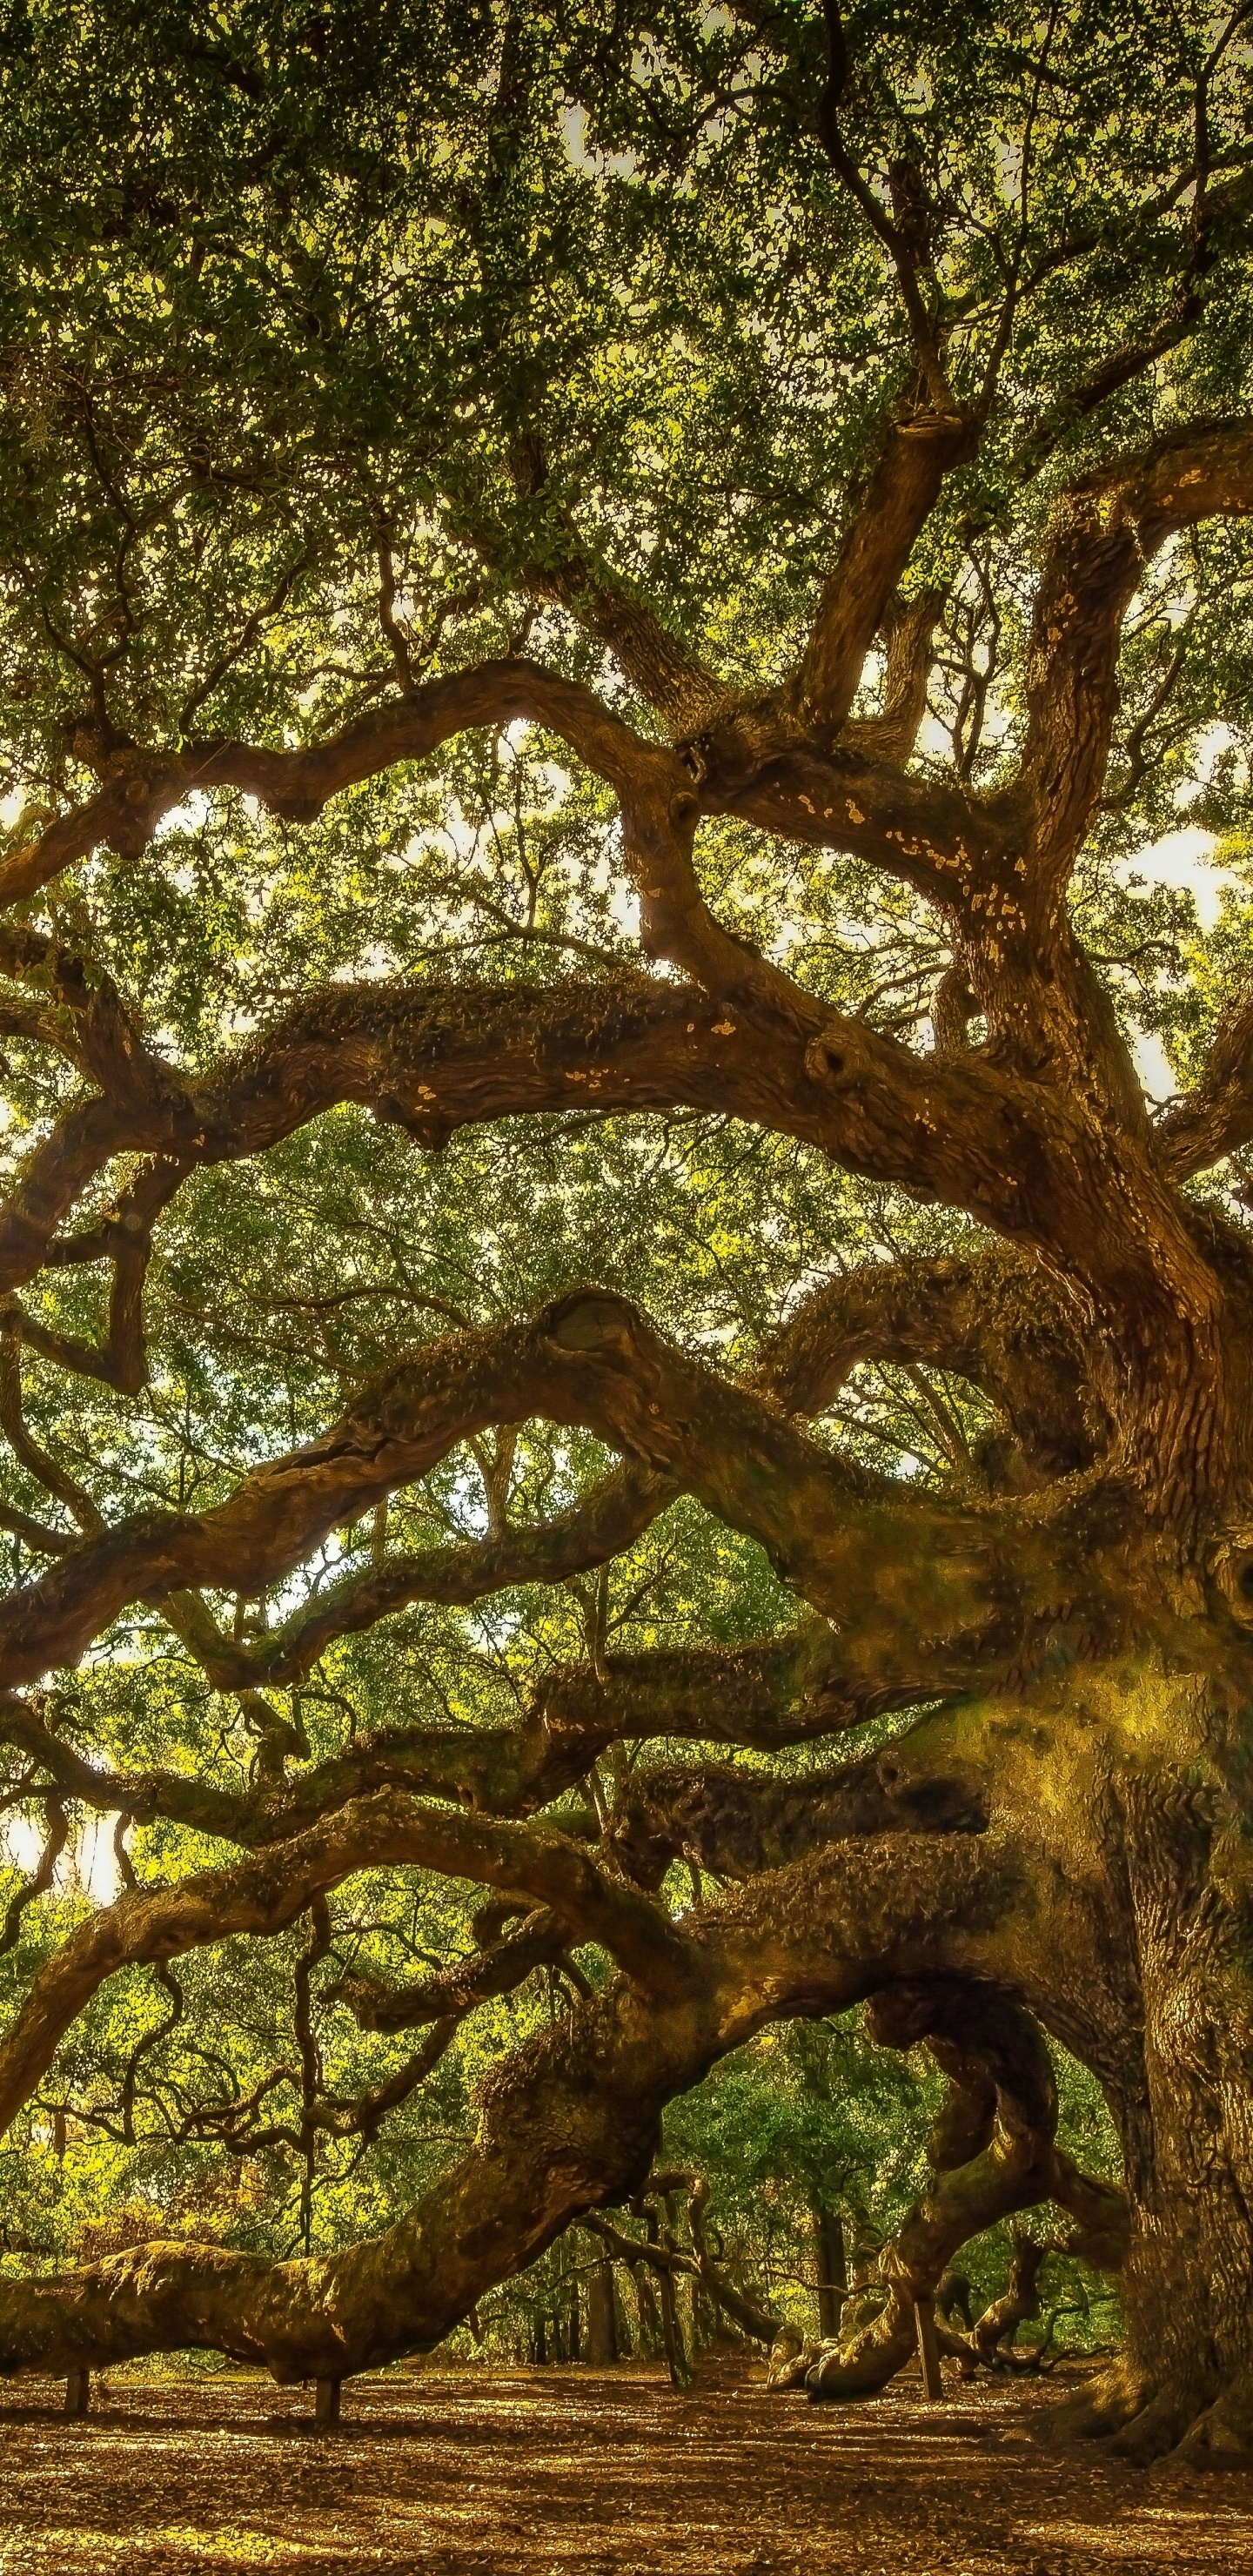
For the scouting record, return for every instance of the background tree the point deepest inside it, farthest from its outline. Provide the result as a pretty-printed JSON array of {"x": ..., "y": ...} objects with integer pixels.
[{"x": 595, "y": 613}]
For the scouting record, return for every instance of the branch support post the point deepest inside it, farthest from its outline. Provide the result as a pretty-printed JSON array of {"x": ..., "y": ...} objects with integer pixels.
[{"x": 928, "y": 2351}]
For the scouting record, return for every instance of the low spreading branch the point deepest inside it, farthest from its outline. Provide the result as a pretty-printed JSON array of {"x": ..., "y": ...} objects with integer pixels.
[{"x": 569, "y": 2124}]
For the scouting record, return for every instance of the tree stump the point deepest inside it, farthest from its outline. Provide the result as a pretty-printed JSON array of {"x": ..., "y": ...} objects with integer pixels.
[
  {"x": 326, "y": 2408},
  {"x": 78, "y": 2392}
]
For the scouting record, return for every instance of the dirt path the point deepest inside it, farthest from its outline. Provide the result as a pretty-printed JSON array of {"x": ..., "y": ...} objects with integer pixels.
[{"x": 580, "y": 2473}]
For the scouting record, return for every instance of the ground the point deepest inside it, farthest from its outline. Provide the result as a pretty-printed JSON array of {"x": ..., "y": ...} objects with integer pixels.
[{"x": 573, "y": 2472}]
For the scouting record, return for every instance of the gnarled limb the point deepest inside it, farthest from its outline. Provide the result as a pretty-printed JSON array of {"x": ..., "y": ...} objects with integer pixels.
[
  {"x": 541, "y": 1940},
  {"x": 991, "y": 2152},
  {"x": 811, "y": 1681},
  {"x": 570, "y": 2123},
  {"x": 41, "y": 1878},
  {"x": 37, "y": 1460},
  {"x": 297, "y": 784},
  {"x": 589, "y": 1360},
  {"x": 737, "y": 1824},
  {"x": 266, "y": 1893},
  {"x": 36, "y": 1534},
  {"x": 667, "y": 675},
  {"x": 125, "y": 1238},
  {"x": 908, "y": 627},
  {"x": 918, "y": 451},
  {"x": 993, "y": 2333},
  {"x": 422, "y": 1059},
  {"x": 806, "y": 1684},
  {"x": 1029, "y": 1164},
  {"x": 606, "y": 1522},
  {"x": 90, "y": 1022},
  {"x": 1215, "y": 1118},
  {"x": 658, "y": 830},
  {"x": 1108, "y": 528},
  {"x": 990, "y": 1318}
]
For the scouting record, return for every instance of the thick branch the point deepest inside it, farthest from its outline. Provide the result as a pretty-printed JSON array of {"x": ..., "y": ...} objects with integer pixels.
[
  {"x": 958, "y": 1130},
  {"x": 568, "y": 2124},
  {"x": 792, "y": 1689},
  {"x": 1107, "y": 530},
  {"x": 297, "y": 784},
  {"x": 41, "y": 1880},
  {"x": 918, "y": 451},
  {"x": 605, "y": 1523},
  {"x": 1216, "y": 1117},
  {"x": 737, "y": 1824},
  {"x": 670, "y": 678},
  {"x": 990, "y": 1318},
  {"x": 909, "y": 627},
  {"x": 928, "y": 832},
  {"x": 991, "y": 2153},
  {"x": 588, "y": 1360},
  {"x": 126, "y": 1238},
  {"x": 541, "y": 1940},
  {"x": 264, "y": 1894},
  {"x": 37, "y": 1460}
]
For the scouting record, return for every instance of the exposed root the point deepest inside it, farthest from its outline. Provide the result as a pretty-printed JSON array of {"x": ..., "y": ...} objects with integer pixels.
[{"x": 1183, "y": 2416}]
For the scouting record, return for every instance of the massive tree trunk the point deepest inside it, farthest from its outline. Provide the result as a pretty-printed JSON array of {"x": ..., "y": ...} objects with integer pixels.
[
  {"x": 1186, "y": 2376},
  {"x": 1133, "y": 1952}
]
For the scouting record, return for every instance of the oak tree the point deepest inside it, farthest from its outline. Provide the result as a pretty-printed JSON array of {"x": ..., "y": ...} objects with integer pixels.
[{"x": 596, "y": 607}]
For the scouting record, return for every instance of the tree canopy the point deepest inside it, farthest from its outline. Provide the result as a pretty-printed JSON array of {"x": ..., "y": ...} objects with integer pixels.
[{"x": 623, "y": 1152}]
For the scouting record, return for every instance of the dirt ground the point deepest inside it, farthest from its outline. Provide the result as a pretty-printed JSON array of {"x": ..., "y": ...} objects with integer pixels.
[{"x": 574, "y": 2472}]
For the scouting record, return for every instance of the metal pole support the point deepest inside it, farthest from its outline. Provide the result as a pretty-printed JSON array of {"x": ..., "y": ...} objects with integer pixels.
[
  {"x": 78, "y": 2392},
  {"x": 928, "y": 2349},
  {"x": 326, "y": 2409}
]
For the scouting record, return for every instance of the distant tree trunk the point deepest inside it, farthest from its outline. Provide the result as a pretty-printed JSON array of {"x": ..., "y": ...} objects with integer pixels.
[
  {"x": 828, "y": 2236},
  {"x": 650, "y": 2322},
  {"x": 672, "y": 2333},
  {"x": 573, "y": 2330},
  {"x": 541, "y": 2338},
  {"x": 602, "y": 2323}
]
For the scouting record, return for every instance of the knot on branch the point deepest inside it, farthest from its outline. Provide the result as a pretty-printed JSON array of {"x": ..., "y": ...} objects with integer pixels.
[
  {"x": 295, "y": 808},
  {"x": 831, "y": 1059},
  {"x": 588, "y": 1320},
  {"x": 139, "y": 793},
  {"x": 746, "y": 736}
]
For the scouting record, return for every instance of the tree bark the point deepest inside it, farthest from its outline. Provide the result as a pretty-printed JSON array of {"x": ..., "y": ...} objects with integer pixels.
[
  {"x": 1139, "y": 1963},
  {"x": 1184, "y": 2380},
  {"x": 602, "y": 2325},
  {"x": 828, "y": 2242}
]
